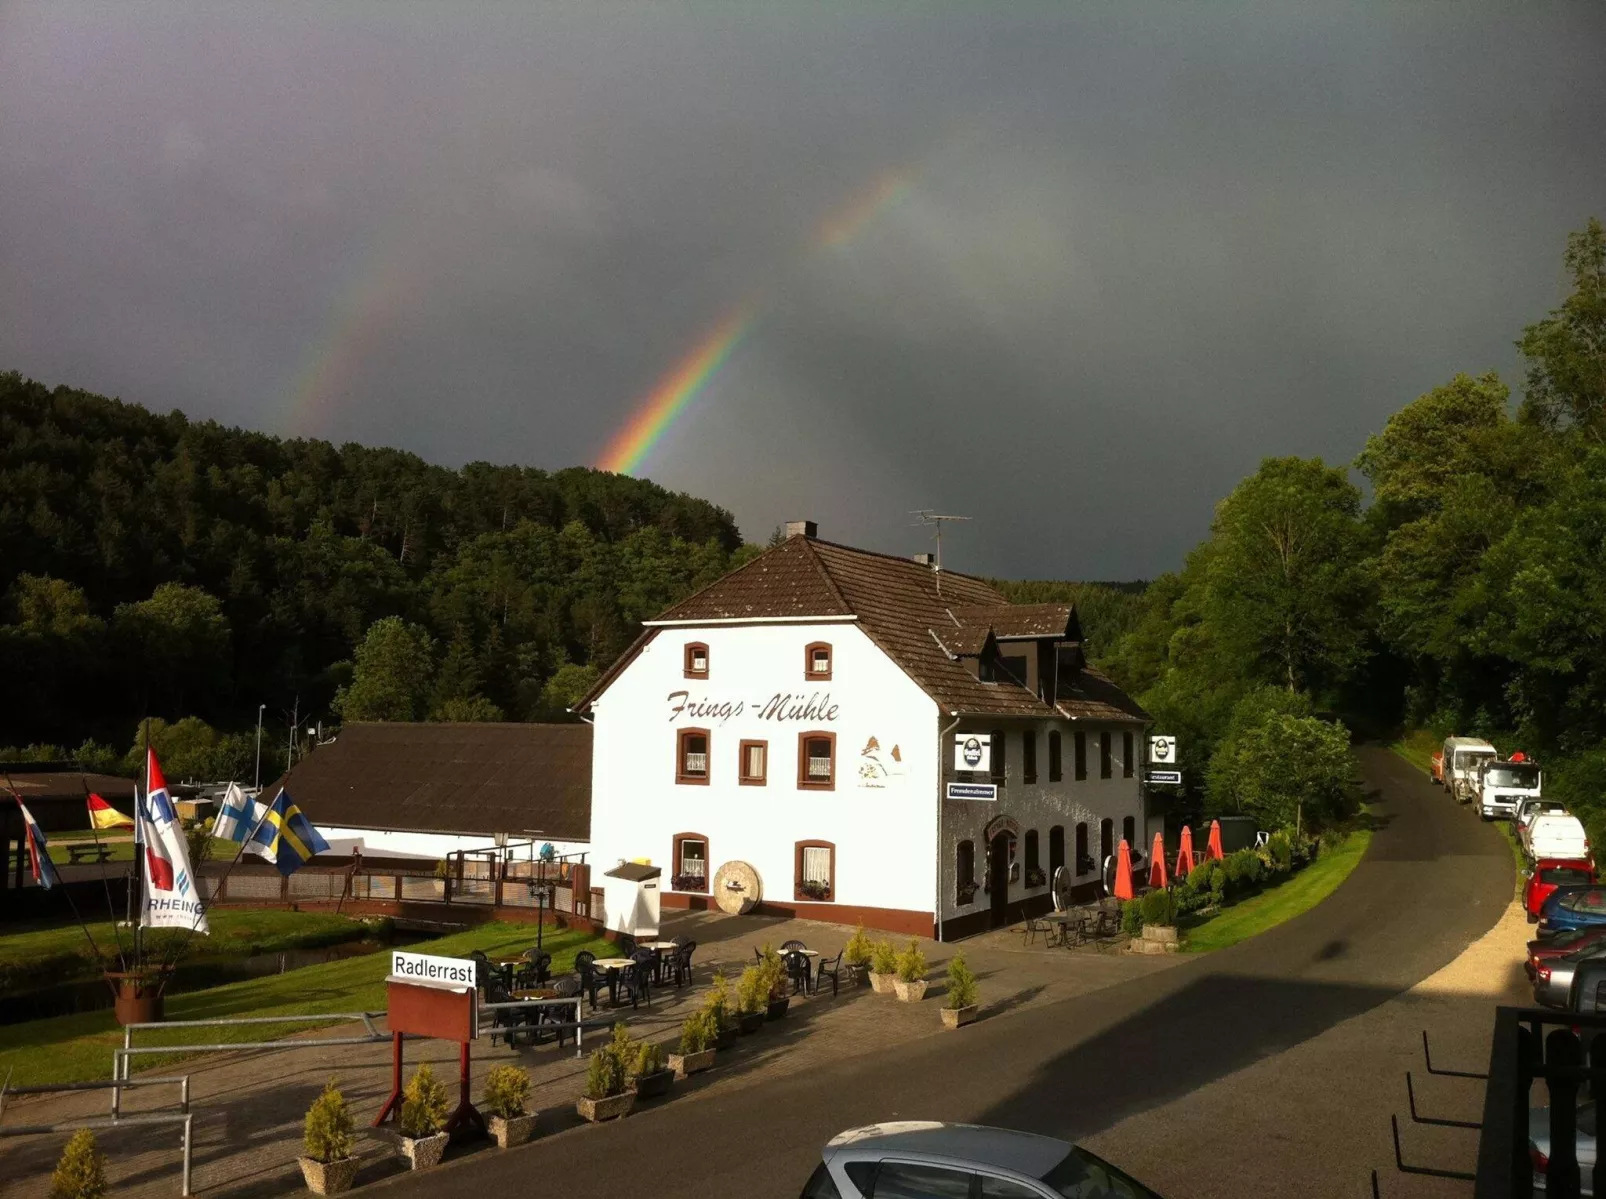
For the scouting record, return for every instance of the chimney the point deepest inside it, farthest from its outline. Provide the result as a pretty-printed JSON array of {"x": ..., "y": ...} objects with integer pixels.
[
  {"x": 802, "y": 528},
  {"x": 925, "y": 559}
]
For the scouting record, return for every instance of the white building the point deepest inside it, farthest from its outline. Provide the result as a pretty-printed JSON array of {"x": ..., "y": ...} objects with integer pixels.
[{"x": 800, "y": 716}]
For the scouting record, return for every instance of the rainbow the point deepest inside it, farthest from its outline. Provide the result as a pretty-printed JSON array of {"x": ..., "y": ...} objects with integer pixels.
[{"x": 674, "y": 391}]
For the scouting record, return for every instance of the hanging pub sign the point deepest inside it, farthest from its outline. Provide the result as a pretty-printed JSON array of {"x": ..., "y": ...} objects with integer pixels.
[
  {"x": 1163, "y": 750},
  {"x": 972, "y": 751}
]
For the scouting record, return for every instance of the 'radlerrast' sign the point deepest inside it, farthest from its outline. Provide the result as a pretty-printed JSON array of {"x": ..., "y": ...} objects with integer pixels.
[
  {"x": 780, "y": 707},
  {"x": 427, "y": 968}
]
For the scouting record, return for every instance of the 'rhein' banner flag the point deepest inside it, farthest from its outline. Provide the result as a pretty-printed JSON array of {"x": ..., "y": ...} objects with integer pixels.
[{"x": 172, "y": 899}]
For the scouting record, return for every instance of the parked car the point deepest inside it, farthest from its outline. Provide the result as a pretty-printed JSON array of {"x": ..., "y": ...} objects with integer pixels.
[
  {"x": 1461, "y": 758},
  {"x": 1572, "y": 907},
  {"x": 1500, "y": 784},
  {"x": 1550, "y": 873},
  {"x": 1539, "y": 1146},
  {"x": 1528, "y": 809},
  {"x": 925, "y": 1158},
  {"x": 1553, "y": 977},
  {"x": 1562, "y": 944},
  {"x": 1554, "y": 835}
]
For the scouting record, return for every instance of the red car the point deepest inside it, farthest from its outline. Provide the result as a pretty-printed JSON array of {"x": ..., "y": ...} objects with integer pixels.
[
  {"x": 1550, "y": 873},
  {"x": 1567, "y": 941}
]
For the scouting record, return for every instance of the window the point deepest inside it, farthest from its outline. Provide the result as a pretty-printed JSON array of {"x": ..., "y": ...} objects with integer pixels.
[
  {"x": 690, "y": 863},
  {"x": 984, "y": 670},
  {"x": 1104, "y": 755},
  {"x": 1015, "y": 664},
  {"x": 691, "y": 756},
  {"x": 821, "y": 1185},
  {"x": 1081, "y": 755},
  {"x": 817, "y": 661},
  {"x": 1106, "y": 839},
  {"x": 999, "y": 773},
  {"x": 753, "y": 763},
  {"x": 696, "y": 660},
  {"x": 1031, "y": 851},
  {"x": 1028, "y": 756},
  {"x": 1126, "y": 755},
  {"x": 816, "y": 761},
  {"x": 965, "y": 873},
  {"x": 814, "y": 866},
  {"x": 1084, "y": 860},
  {"x": 1056, "y": 849},
  {"x": 1054, "y": 771},
  {"x": 1129, "y": 831},
  {"x": 993, "y": 1187},
  {"x": 906, "y": 1180}
]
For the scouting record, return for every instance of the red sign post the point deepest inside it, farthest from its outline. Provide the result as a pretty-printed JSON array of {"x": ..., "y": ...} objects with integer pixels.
[{"x": 446, "y": 1009}]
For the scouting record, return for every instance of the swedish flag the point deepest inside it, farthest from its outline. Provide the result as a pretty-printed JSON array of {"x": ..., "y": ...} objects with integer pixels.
[{"x": 294, "y": 842}]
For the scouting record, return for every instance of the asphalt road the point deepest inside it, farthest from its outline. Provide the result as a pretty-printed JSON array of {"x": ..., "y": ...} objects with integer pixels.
[{"x": 1434, "y": 879}]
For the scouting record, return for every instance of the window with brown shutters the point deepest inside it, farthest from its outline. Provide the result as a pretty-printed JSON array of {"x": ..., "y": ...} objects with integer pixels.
[
  {"x": 816, "y": 761},
  {"x": 696, "y": 660},
  {"x": 753, "y": 762},
  {"x": 692, "y": 756},
  {"x": 814, "y": 866},
  {"x": 817, "y": 660}
]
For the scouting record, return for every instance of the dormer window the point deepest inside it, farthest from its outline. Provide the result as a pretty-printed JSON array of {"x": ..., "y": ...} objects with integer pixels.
[
  {"x": 817, "y": 661},
  {"x": 696, "y": 660}
]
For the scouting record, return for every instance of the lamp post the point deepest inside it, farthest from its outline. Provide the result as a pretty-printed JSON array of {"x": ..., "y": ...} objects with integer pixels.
[{"x": 261, "y": 708}]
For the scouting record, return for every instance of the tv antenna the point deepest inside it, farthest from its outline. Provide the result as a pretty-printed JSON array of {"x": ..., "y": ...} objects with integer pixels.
[{"x": 929, "y": 516}]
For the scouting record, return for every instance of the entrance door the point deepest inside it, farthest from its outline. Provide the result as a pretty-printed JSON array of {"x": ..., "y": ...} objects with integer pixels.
[{"x": 998, "y": 879}]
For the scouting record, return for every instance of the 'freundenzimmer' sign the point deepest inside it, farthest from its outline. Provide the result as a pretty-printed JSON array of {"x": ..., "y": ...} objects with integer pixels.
[{"x": 428, "y": 968}]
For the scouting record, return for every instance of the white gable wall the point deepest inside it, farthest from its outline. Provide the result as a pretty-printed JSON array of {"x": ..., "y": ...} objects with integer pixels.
[{"x": 881, "y": 816}]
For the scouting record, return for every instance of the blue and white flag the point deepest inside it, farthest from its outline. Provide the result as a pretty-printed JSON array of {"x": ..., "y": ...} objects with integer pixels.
[
  {"x": 294, "y": 841},
  {"x": 241, "y": 817}
]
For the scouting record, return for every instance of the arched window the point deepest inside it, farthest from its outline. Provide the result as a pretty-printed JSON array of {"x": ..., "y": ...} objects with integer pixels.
[
  {"x": 1054, "y": 770},
  {"x": 1126, "y": 755},
  {"x": 689, "y": 863},
  {"x": 692, "y": 756},
  {"x": 1033, "y": 864},
  {"x": 1081, "y": 755},
  {"x": 814, "y": 872},
  {"x": 1104, "y": 755},
  {"x": 1056, "y": 849},
  {"x": 1129, "y": 831},
  {"x": 817, "y": 660},
  {"x": 1106, "y": 839},
  {"x": 1084, "y": 860},
  {"x": 997, "y": 763},
  {"x": 965, "y": 873},
  {"x": 696, "y": 660},
  {"x": 1028, "y": 756}
]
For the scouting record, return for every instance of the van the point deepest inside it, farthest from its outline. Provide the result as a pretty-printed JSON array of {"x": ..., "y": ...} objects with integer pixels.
[
  {"x": 1555, "y": 835},
  {"x": 1501, "y": 784},
  {"x": 1462, "y": 756}
]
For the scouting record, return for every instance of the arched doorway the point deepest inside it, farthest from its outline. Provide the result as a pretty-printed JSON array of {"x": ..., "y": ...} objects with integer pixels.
[{"x": 998, "y": 877}]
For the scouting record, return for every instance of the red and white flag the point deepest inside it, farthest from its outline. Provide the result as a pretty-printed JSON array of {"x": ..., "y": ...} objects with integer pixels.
[
  {"x": 103, "y": 815},
  {"x": 172, "y": 898}
]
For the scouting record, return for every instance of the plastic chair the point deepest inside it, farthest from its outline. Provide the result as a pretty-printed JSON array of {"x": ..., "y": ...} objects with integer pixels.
[
  {"x": 541, "y": 962},
  {"x": 793, "y": 944},
  {"x": 590, "y": 978},
  {"x": 797, "y": 969},
  {"x": 831, "y": 967},
  {"x": 638, "y": 979},
  {"x": 678, "y": 965}
]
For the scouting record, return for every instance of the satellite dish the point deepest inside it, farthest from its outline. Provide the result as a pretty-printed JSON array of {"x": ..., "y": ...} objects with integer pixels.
[{"x": 1062, "y": 889}]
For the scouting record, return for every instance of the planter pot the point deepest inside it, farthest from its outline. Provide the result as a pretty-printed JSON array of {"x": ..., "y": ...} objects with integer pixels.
[
  {"x": 684, "y": 1064},
  {"x": 650, "y": 1086},
  {"x": 882, "y": 983},
  {"x": 726, "y": 1038},
  {"x": 1160, "y": 932},
  {"x": 611, "y": 1108},
  {"x": 958, "y": 1017},
  {"x": 777, "y": 1008},
  {"x": 138, "y": 994},
  {"x": 424, "y": 1152},
  {"x": 910, "y": 992},
  {"x": 855, "y": 974},
  {"x": 750, "y": 1023},
  {"x": 329, "y": 1178},
  {"x": 514, "y": 1130}
]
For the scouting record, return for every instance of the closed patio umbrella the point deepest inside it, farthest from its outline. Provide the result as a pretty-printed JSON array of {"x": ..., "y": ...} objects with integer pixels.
[
  {"x": 1214, "y": 847},
  {"x": 1157, "y": 863},
  {"x": 1123, "y": 871},
  {"x": 1185, "y": 854}
]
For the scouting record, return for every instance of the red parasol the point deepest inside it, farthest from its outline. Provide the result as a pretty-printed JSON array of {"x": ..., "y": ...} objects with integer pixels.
[
  {"x": 1185, "y": 854},
  {"x": 1123, "y": 871},
  {"x": 1214, "y": 848},
  {"x": 1157, "y": 876}
]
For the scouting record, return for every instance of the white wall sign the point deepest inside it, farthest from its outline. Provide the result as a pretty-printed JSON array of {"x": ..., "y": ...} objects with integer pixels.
[
  {"x": 1163, "y": 750},
  {"x": 972, "y": 791},
  {"x": 972, "y": 751},
  {"x": 427, "y": 968}
]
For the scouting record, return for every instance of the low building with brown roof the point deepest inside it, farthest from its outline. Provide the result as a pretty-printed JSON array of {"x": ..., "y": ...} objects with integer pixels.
[{"x": 870, "y": 738}]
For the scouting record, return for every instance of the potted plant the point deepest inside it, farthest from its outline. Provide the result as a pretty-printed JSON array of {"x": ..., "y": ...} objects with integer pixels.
[
  {"x": 697, "y": 1037},
  {"x": 1159, "y": 915},
  {"x": 81, "y": 1171},
  {"x": 423, "y": 1119},
  {"x": 883, "y": 967},
  {"x": 607, "y": 1096},
  {"x": 329, "y": 1164},
  {"x": 910, "y": 983},
  {"x": 856, "y": 955},
  {"x": 775, "y": 974},
  {"x": 651, "y": 1074},
  {"x": 507, "y": 1091},
  {"x": 959, "y": 1004},
  {"x": 815, "y": 889},
  {"x": 752, "y": 998},
  {"x": 717, "y": 1003}
]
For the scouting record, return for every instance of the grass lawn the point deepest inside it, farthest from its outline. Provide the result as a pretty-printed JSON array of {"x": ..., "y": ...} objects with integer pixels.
[
  {"x": 79, "y": 1047},
  {"x": 45, "y": 955},
  {"x": 1295, "y": 894}
]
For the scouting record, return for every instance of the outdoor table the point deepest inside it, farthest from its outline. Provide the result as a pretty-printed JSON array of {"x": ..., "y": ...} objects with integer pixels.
[
  {"x": 612, "y": 966},
  {"x": 663, "y": 949}
]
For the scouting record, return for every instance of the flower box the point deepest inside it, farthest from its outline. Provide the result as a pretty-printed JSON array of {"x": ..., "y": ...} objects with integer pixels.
[
  {"x": 512, "y": 1130},
  {"x": 911, "y": 992},
  {"x": 424, "y": 1152},
  {"x": 882, "y": 983},
  {"x": 777, "y": 1008},
  {"x": 726, "y": 1037},
  {"x": 958, "y": 1017},
  {"x": 750, "y": 1022},
  {"x": 684, "y": 1064},
  {"x": 329, "y": 1178},
  {"x": 650, "y": 1086},
  {"x": 611, "y": 1108}
]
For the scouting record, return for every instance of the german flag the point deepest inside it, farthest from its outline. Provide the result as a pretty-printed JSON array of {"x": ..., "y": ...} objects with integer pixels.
[{"x": 102, "y": 815}]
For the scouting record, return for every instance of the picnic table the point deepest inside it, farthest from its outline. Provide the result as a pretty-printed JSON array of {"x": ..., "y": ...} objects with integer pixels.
[{"x": 87, "y": 851}]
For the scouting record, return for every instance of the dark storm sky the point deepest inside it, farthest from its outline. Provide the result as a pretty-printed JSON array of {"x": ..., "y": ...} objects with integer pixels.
[{"x": 1141, "y": 247}]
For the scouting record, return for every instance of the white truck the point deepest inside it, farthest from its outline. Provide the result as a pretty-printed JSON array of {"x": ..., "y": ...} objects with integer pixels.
[
  {"x": 1462, "y": 757},
  {"x": 1501, "y": 784},
  {"x": 1555, "y": 835}
]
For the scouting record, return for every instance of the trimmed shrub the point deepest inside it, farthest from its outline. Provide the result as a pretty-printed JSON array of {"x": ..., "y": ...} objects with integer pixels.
[
  {"x": 423, "y": 1104},
  {"x": 605, "y": 1074},
  {"x": 1131, "y": 917},
  {"x": 327, "y": 1134},
  {"x": 857, "y": 951},
  {"x": 649, "y": 1059},
  {"x": 753, "y": 990},
  {"x": 81, "y": 1172},
  {"x": 961, "y": 983},
  {"x": 717, "y": 1003},
  {"x": 699, "y": 1031},
  {"x": 1159, "y": 908},
  {"x": 507, "y": 1091},
  {"x": 912, "y": 963},
  {"x": 883, "y": 958}
]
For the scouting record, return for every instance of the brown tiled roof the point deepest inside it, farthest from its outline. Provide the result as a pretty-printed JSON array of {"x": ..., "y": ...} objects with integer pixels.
[
  {"x": 1094, "y": 697},
  {"x": 896, "y": 603},
  {"x": 451, "y": 778}
]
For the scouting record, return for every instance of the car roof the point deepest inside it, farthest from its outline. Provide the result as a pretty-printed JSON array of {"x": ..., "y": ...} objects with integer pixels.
[
  {"x": 1557, "y": 818},
  {"x": 999, "y": 1148}
]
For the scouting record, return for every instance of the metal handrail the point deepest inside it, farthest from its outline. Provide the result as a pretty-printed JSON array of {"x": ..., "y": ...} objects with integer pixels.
[{"x": 116, "y": 1119}]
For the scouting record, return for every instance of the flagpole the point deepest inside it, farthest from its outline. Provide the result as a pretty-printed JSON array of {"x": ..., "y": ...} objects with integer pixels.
[
  {"x": 34, "y": 849},
  {"x": 207, "y": 906},
  {"x": 111, "y": 912}
]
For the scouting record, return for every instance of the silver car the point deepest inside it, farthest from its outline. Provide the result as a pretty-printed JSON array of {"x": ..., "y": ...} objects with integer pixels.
[
  {"x": 1539, "y": 1146},
  {"x": 917, "y": 1159}
]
